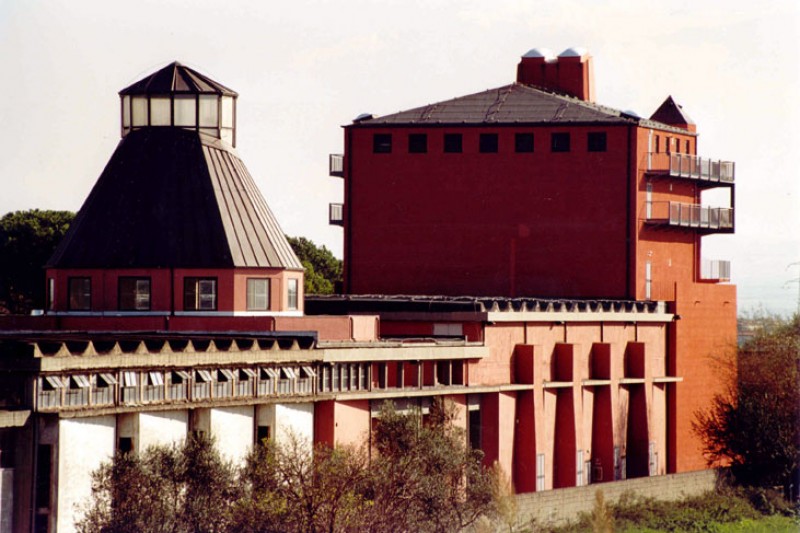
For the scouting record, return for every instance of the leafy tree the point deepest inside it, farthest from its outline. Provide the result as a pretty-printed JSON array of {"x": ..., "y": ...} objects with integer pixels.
[
  {"x": 175, "y": 489},
  {"x": 291, "y": 488},
  {"x": 422, "y": 477},
  {"x": 323, "y": 270},
  {"x": 425, "y": 477},
  {"x": 755, "y": 424},
  {"x": 27, "y": 240}
]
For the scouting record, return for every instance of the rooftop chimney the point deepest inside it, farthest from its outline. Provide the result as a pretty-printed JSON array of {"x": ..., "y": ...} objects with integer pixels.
[{"x": 570, "y": 73}]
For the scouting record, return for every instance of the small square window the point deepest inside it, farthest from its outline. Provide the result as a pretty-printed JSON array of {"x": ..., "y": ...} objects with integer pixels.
[
  {"x": 291, "y": 300},
  {"x": 452, "y": 143},
  {"x": 382, "y": 143},
  {"x": 596, "y": 141},
  {"x": 523, "y": 142},
  {"x": 417, "y": 143},
  {"x": 133, "y": 294},
  {"x": 199, "y": 294},
  {"x": 559, "y": 142},
  {"x": 257, "y": 294},
  {"x": 80, "y": 294},
  {"x": 488, "y": 143}
]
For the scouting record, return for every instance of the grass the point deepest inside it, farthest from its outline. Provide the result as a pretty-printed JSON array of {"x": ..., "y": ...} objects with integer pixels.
[{"x": 726, "y": 511}]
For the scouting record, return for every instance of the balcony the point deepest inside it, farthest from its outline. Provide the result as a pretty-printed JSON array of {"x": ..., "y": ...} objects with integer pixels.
[
  {"x": 715, "y": 271},
  {"x": 336, "y": 214},
  {"x": 706, "y": 219},
  {"x": 336, "y": 165},
  {"x": 706, "y": 172}
]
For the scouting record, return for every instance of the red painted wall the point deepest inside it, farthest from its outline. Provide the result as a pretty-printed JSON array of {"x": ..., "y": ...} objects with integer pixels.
[{"x": 475, "y": 223}]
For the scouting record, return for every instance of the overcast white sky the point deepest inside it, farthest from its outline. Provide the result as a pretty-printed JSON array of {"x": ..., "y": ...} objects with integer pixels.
[{"x": 306, "y": 67}]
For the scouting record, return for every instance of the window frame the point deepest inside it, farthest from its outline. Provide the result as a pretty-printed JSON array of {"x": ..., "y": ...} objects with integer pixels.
[
  {"x": 73, "y": 305},
  {"x": 381, "y": 143},
  {"x": 488, "y": 143},
  {"x": 596, "y": 141},
  {"x": 417, "y": 143},
  {"x": 252, "y": 303},
  {"x": 136, "y": 280},
  {"x": 557, "y": 144},
  {"x": 292, "y": 293},
  {"x": 521, "y": 145},
  {"x": 453, "y": 143},
  {"x": 197, "y": 282}
]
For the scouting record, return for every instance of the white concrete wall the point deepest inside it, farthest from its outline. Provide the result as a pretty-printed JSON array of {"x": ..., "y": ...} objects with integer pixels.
[
  {"x": 6, "y": 499},
  {"x": 162, "y": 428},
  {"x": 295, "y": 419},
  {"x": 83, "y": 444},
  {"x": 232, "y": 428}
]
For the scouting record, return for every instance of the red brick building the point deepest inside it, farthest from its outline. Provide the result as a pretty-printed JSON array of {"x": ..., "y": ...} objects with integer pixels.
[
  {"x": 534, "y": 190},
  {"x": 523, "y": 252}
]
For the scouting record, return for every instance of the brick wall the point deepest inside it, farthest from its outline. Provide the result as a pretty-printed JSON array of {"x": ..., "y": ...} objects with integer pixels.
[{"x": 560, "y": 505}]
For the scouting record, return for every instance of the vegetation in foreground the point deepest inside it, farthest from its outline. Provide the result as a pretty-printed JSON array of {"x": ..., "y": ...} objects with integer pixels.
[
  {"x": 754, "y": 425},
  {"x": 421, "y": 476},
  {"x": 726, "y": 511}
]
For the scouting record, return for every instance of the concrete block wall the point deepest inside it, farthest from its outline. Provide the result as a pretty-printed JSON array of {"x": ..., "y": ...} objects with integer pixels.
[{"x": 561, "y": 505}]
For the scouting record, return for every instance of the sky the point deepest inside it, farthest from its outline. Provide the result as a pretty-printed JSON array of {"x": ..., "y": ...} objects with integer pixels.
[{"x": 305, "y": 68}]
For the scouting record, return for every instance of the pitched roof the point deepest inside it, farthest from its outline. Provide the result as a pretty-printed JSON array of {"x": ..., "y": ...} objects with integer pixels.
[
  {"x": 670, "y": 112},
  {"x": 508, "y": 104},
  {"x": 171, "y": 197},
  {"x": 177, "y": 78},
  {"x": 516, "y": 103}
]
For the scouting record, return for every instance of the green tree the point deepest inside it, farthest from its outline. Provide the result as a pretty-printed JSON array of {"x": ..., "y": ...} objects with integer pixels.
[
  {"x": 422, "y": 477},
  {"x": 425, "y": 477},
  {"x": 755, "y": 424},
  {"x": 323, "y": 270},
  {"x": 27, "y": 240},
  {"x": 170, "y": 489},
  {"x": 292, "y": 488}
]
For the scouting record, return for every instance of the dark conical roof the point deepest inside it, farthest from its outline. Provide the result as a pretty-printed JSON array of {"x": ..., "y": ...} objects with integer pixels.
[
  {"x": 670, "y": 112},
  {"x": 177, "y": 78},
  {"x": 174, "y": 198}
]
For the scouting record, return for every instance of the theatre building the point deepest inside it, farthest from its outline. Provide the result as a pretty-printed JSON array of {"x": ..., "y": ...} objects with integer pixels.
[{"x": 524, "y": 252}]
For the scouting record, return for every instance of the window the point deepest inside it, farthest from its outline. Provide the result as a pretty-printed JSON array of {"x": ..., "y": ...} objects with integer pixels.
[
  {"x": 596, "y": 141},
  {"x": 523, "y": 142},
  {"x": 417, "y": 143},
  {"x": 452, "y": 143},
  {"x": 199, "y": 294},
  {"x": 263, "y": 433},
  {"x": 559, "y": 142},
  {"x": 291, "y": 294},
  {"x": 257, "y": 294},
  {"x": 687, "y": 147},
  {"x": 382, "y": 143},
  {"x": 134, "y": 294},
  {"x": 540, "y": 474},
  {"x": 80, "y": 294},
  {"x": 51, "y": 293},
  {"x": 488, "y": 143},
  {"x": 658, "y": 144}
]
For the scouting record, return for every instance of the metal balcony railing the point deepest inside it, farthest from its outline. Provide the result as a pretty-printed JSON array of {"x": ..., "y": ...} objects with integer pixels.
[
  {"x": 692, "y": 167},
  {"x": 336, "y": 165},
  {"x": 690, "y": 215},
  {"x": 336, "y": 214},
  {"x": 715, "y": 270}
]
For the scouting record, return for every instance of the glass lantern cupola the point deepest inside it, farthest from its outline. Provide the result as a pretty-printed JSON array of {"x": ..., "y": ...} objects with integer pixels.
[{"x": 178, "y": 96}]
